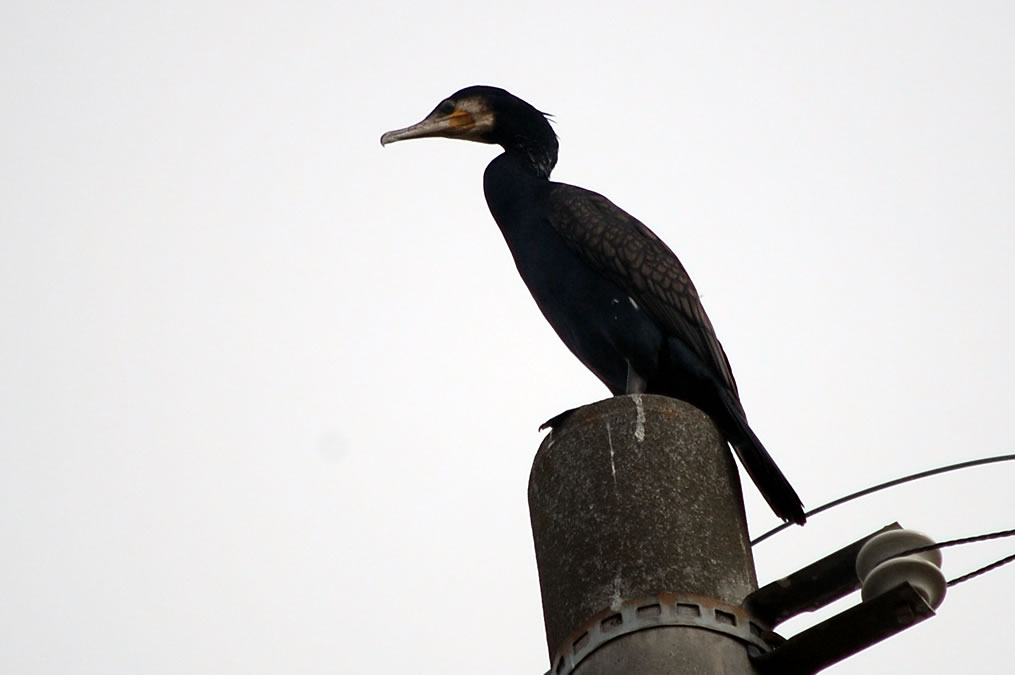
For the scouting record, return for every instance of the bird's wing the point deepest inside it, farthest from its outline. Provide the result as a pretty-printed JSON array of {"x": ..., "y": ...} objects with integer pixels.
[{"x": 628, "y": 253}]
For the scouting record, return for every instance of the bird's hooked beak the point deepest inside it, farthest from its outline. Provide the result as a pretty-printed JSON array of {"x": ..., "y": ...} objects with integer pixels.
[{"x": 454, "y": 125}]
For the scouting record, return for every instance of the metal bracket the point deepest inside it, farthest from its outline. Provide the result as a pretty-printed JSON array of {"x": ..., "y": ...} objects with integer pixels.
[
  {"x": 845, "y": 633},
  {"x": 812, "y": 587},
  {"x": 663, "y": 609}
]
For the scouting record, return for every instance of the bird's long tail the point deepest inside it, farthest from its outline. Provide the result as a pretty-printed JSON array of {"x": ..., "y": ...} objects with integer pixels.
[{"x": 760, "y": 466}]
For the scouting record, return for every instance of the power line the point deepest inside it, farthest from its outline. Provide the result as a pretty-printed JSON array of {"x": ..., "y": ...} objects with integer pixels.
[
  {"x": 1000, "y": 534},
  {"x": 885, "y": 486},
  {"x": 983, "y": 570}
]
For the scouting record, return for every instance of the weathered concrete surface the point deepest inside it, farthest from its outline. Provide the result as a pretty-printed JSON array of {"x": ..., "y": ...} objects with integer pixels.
[
  {"x": 669, "y": 649},
  {"x": 633, "y": 496}
]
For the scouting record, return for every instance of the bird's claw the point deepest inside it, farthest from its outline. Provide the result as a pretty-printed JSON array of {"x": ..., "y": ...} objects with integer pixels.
[{"x": 556, "y": 420}]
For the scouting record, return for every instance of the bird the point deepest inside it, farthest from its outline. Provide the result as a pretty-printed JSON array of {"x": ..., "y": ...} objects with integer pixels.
[{"x": 613, "y": 291}]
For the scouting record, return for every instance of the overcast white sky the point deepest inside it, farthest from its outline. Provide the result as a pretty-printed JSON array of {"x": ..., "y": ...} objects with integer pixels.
[{"x": 269, "y": 393}]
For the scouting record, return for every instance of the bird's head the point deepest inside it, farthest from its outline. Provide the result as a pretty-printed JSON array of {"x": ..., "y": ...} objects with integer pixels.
[{"x": 488, "y": 115}]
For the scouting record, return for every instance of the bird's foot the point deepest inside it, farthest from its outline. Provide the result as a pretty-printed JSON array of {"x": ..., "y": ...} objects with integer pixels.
[{"x": 556, "y": 420}]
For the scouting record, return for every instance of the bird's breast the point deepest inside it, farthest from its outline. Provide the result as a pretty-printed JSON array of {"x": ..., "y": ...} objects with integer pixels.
[{"x": 597, "y": 320}]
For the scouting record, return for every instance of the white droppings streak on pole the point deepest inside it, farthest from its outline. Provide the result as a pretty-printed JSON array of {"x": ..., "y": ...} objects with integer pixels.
[
  {"x": 609, "y": 440},
  {"x": 639, "y": 423},
  {"x": 617, "y": 597}
]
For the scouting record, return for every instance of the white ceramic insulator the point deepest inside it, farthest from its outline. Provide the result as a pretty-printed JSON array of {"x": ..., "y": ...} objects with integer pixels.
[{"x": 880, "y": 569}]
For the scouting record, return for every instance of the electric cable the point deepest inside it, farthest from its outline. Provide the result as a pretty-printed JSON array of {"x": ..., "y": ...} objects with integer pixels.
[
  {"x": 1000, "y": 534},
  {"x": 884, "y": 486}
]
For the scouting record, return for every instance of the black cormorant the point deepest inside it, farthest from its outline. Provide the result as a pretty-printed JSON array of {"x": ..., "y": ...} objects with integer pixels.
[{"x": 614, "y": 292}]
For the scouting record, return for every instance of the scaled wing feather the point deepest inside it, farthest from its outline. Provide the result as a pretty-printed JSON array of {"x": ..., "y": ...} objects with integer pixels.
[{"x": 623, "y": 249}]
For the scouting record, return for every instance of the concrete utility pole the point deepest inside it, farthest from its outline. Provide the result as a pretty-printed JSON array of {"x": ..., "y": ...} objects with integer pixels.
[{"x": 641, "y": 542}]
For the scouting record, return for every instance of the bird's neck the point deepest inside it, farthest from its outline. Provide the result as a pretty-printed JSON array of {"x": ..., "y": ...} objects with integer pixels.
[
  {"x": 537, "y": 159},
  {"x": 512, "y": 186},
  {"x": 536, "y": 152}
]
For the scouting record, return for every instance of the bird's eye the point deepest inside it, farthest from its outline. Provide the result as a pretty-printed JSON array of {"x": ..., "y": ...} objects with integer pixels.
[{"x": 447, "y": 107}]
